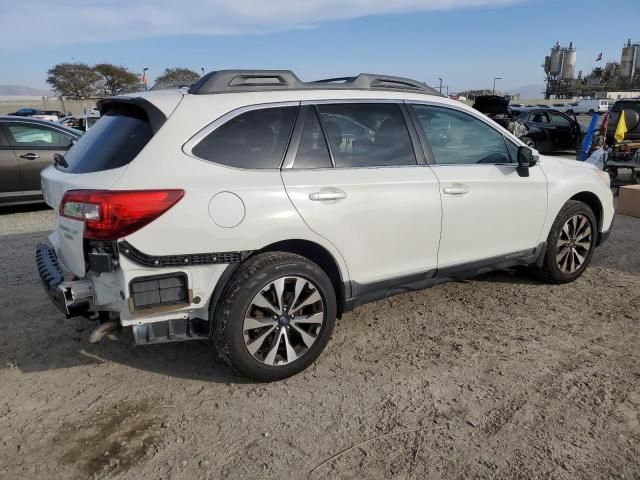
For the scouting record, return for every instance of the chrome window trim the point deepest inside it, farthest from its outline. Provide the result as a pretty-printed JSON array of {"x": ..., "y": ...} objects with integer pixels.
[
  {"x": 190, "y": 144},
  {"x": 327, "y": 101},
  {"x": 478, "y": 116}
]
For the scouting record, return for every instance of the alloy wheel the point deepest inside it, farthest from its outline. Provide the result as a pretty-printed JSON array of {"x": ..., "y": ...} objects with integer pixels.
[
  {"x": 283, "y": 320},
  {"x": 574, "y": 244}
]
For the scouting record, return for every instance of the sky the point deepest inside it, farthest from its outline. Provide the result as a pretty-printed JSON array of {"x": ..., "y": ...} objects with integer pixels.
[{"x": 465, "y": 42}]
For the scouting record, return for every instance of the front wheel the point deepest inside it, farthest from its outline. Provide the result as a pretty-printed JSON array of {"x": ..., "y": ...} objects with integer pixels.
[
  {"x": 275, "y": 316},
  {"x": 570, "y": 244}
]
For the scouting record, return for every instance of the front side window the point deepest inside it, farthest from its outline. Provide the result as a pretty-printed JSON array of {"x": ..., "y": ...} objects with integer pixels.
[
  {"x": 457, "y": 138},
  {"x": 256, "y": 139},
  {"x": 27, "y": 136},
  {"x": 367, "y": 134}
]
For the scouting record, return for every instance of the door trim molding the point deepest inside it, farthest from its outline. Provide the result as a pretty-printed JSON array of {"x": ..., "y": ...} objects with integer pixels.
[{"x": 370, "y": 292}]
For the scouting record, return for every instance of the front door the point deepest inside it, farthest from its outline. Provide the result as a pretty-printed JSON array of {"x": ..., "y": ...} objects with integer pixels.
[
  {"x": 488, "y": 209},
  {"x": 353, "y": 176}
]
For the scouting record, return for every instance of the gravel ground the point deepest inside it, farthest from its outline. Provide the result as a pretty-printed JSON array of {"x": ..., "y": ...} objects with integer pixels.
[{"x": 498, "y": 377}]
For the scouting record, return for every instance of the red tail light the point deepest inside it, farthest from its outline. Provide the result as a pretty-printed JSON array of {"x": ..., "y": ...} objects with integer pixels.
[{"x": 109, "y": 215}]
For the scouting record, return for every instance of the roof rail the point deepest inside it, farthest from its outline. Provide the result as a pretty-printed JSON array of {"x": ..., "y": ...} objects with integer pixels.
[{"x": 225, "y": 81}]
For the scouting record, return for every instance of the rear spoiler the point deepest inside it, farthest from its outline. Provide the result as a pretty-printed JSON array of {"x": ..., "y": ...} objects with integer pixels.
[{"x": 155, "y": 115}]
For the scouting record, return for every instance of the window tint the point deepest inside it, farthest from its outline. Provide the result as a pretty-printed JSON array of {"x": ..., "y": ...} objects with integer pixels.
[
  {"x": 312, "y": 151},
  {"x": 458, "y": 138},
  {"x": 558, "y": 119},
  {"x": 24, "y": 135},
  {"x": 255, "y": 139},
  {"x": 115, "y": 140},
  {"x": 367, "y": 135}
]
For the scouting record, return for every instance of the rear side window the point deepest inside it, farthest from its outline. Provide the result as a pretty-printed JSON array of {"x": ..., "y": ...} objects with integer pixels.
[
  {"x": 367, "y": 134},
  {"x": 115, "y": 140},
  {"x": 256, "y": 139}
]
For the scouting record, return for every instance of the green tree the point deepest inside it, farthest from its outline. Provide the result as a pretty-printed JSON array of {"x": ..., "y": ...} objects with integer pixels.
[
  {"x": 180, "y": 76},
  {"x": 74, "y": 80},
  {"x": 116, "y": 79}
]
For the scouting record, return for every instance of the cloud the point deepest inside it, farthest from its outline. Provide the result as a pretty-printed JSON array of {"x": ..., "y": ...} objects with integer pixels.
[{"x": 82, "y": 21}]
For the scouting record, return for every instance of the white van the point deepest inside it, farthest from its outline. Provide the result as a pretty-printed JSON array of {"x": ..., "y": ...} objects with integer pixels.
[{"x": 588, "y": 106}]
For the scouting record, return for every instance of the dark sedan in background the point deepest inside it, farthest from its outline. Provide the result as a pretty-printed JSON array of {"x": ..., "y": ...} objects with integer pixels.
[
  {"x": 548, "y": 130},
  {"x": 545, "y": 129},
  {"x": 28, "y": 145}
]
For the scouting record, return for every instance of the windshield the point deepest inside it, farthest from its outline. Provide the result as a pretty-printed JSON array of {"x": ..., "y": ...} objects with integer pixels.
[{"x": 114, "y": 141}]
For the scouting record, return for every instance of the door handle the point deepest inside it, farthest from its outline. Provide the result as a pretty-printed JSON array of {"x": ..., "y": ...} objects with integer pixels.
[
  {"x": 30, "y": 156},
  {"x": 456, "y": 190},
  {"x": 324, "y": 196}
]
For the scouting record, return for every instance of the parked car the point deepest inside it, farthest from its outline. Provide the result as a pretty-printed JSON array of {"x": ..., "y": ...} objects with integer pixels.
[
  {"x": 27, "y": 145},
  {"x": 545, "y": 129},
  {"x": 80, "y": 122},
  {"x": 561, "y": 107},
  {"x": 50, "y": 115},
  {"x": 237, "y": 211},
  {"x": 631, "y": 108},
  {"x": 549, "y": 130},
  {"x": 588, "y": 106}
]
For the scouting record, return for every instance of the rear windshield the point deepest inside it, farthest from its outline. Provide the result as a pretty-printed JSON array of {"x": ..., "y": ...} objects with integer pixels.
[{"x": 112, "y": 142}]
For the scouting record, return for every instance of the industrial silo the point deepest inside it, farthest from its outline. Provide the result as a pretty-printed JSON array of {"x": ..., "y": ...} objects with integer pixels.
[
  {"x": 555, "y": 60},
  {"x": 626, "y": 60},
  {"x": 568, "y": 62}
]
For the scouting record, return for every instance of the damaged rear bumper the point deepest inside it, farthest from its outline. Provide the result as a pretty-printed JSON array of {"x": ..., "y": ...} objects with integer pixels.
[{"x": 70, "y": 297}]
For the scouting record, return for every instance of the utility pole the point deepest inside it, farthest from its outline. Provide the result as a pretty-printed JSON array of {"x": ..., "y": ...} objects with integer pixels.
[
  {"x": 202, "y": 68},
  {"x": 494, "y": 84},
  {"x": 440, "y": 87}
]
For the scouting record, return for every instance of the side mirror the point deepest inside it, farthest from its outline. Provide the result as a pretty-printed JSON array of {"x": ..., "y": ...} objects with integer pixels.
[{"x": 526, "y": 159}]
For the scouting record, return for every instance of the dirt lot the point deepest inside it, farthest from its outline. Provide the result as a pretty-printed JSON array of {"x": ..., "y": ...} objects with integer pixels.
[{"x": 499, "y": 377}]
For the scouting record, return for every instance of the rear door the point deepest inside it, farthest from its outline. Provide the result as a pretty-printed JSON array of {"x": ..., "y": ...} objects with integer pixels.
[
  {"x": 34, "y": 146},
  {"x": 356, "y": 178},
  {"x": 9, "y": 174},
  {"x": 489, "y": 211}
]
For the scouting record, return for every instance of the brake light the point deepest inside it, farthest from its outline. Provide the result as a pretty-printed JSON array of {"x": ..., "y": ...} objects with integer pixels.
[{"x": 113, "y": 214}]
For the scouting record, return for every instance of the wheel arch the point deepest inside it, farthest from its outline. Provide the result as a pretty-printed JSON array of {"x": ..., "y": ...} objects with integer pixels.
[
  {"x": 592, "y": 200},
  {"x": 305, "y": 248},
  {"x": 322, "y": 257}
]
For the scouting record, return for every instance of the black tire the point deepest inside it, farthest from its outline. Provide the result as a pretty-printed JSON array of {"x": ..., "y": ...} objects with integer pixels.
[
  {"x": 550, "y": 271},
  {"x": 569, "y": 112},
  {"x": 592, "y": 112},
  {"x": 252, "y": 277}
]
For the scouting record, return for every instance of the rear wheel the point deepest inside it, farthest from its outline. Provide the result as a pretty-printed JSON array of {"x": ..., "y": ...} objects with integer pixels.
[
  {"x": 275, "y": 317},
  {"x": 592, "y": 112},
  {"x": 570, "y": 244}
]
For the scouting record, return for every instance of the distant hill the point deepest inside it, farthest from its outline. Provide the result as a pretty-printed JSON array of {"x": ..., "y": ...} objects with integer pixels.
[
  {"x": 21, "y": 90},
  {"x": 528, "y": 91}
]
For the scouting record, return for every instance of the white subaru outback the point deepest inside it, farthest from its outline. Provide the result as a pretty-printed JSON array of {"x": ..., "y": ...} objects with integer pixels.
[{"x": 254, "y": 209}]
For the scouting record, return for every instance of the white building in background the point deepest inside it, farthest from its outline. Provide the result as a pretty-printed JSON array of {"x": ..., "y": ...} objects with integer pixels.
[{"x": 617, "y": 95}]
